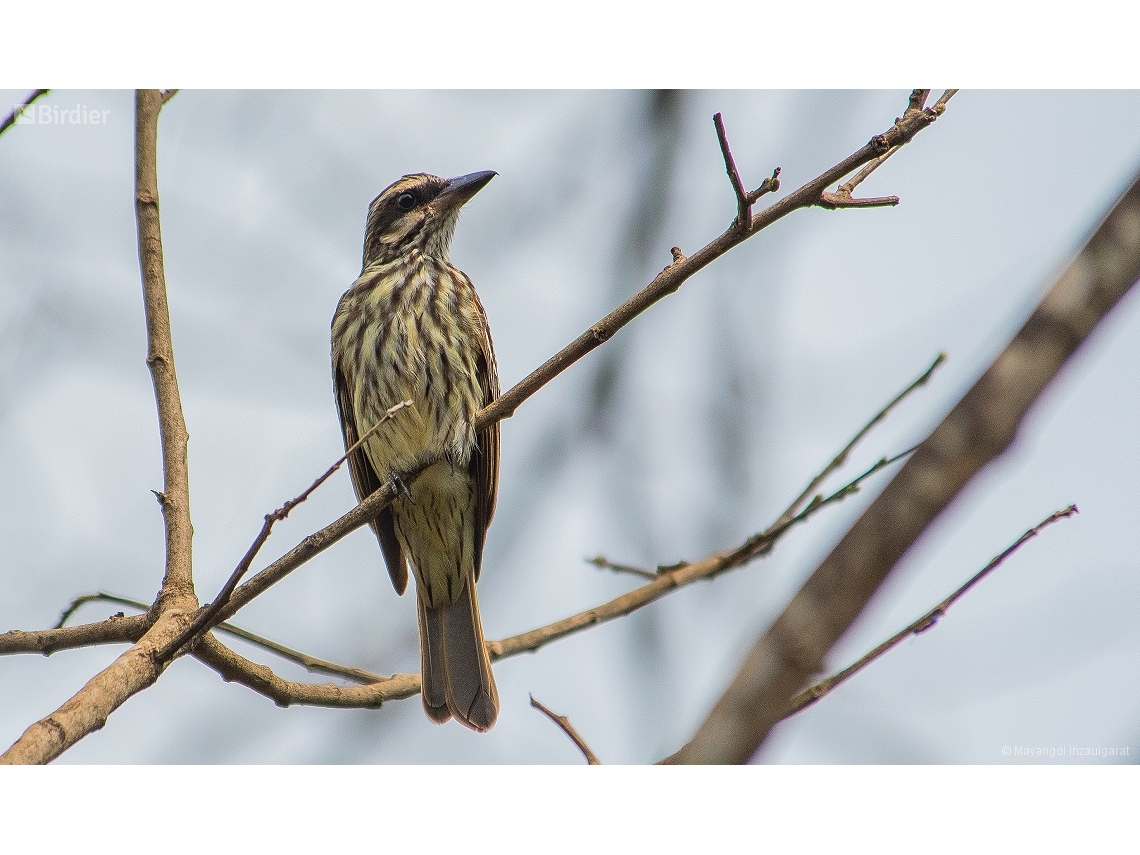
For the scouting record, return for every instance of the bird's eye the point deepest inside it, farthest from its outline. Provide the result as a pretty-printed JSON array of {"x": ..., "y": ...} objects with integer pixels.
[{"x": 405, "y": 201}]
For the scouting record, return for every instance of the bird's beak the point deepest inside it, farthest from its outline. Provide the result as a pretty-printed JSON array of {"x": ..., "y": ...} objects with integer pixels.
[{"x": 459, "y": 190}]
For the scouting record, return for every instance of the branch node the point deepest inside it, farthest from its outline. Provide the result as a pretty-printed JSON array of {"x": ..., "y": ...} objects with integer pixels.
[{"x": 678, "y": 256}]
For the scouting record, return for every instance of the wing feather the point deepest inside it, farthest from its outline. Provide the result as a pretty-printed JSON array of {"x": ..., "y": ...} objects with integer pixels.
[{"x": 366, "y": 482}]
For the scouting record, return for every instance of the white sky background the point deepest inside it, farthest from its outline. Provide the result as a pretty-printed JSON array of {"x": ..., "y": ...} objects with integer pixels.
[{"x": 726, "y": 398}]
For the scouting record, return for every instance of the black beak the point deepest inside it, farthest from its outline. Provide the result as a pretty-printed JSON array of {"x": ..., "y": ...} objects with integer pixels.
[{"x": 459, "y": 190}]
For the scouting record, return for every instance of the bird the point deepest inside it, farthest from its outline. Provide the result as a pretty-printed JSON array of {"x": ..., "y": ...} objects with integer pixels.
[{"x": 412, "y": 328}]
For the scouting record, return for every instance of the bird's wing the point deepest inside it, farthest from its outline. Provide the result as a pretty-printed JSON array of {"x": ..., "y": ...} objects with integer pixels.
[
  {"x": 366, "y": 482},
  {"x": 484, "y": 466}
]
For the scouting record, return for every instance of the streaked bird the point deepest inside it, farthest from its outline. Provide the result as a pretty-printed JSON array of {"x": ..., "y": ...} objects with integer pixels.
[{"x": 412, "y": 328}]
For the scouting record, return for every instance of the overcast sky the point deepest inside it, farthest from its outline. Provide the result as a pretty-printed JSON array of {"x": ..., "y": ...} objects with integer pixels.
[{"x": 689, "y": 431}]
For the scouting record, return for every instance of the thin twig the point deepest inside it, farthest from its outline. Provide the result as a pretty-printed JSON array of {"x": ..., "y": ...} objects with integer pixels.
[
  {"x": 11, "y": 118},
  {"x": 841, "y": 457},
  {"x": 672, "y": 277},
  {"x": 606, "y": 564},
  {"x": 671, "y": 577},
  {"x": 666, "y": 580},
  {"x": 812, "y": 694},
  {"x": 567, "y": 728},
  {"x": 743, "y": 206},
  {"x": 940, "y": 105},
  {"x": 309, "y": 663}
]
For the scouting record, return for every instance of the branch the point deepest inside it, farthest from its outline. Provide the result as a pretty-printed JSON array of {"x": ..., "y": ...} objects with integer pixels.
[
  {"x": 978, "y": 429},
  {"x": 167, "y": 94},
  {"x": 665, "y": 580},
  {"x": 671, "y": 577},
  {"x": 809, "y": 696},
  {"x": 667, "y": 282},
  {"x": 564, "y": 723},
  {"x": 309, "y": 663},
  {"x": 606, "y": 564},
  {"x": 235, "y": 668},
  {"x": 744, "y": 199},
  {"x": 208, "y": 617},
  {"x": 136, "y": 668},
  {"x": 115, "y": 630},
  {"x": 672, "y": 277},
  {"x": 10, "y": 119}
]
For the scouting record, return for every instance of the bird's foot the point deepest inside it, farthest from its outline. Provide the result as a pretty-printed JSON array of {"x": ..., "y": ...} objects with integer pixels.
[{"x": 398, "y": 487}]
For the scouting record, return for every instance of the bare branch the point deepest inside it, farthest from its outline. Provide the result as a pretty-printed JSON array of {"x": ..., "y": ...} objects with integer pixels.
[
  {"x": 309, "y": 663},
  {"x": 116, "y": 630},
  {"x": 810, "y": 695},
  {"x": 208, "y": 616},
  {"x": 665, "y": 283},
  {"x": 567, "y": 728},
  {"x": 743, "y": 206},
  {"x": 10, "y": 119},
  {"x": 918, "y": 99},
  {"x": 940, "y": 106},
  {"x": 978, "y": 429},
  {"x": 606, "y": 564},
  {"x": 136, "y": 668},
  {"x": 672, "y": 277},
  {"x": 237, "y": 669},
  {"x": 671, "y": 577},
  {"x": 175, "y": 497},
  {"x": 841, "y": 457}
]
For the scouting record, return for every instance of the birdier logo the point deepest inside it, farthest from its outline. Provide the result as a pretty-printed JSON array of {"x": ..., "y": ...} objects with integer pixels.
[{"x": 52, "y": 114}]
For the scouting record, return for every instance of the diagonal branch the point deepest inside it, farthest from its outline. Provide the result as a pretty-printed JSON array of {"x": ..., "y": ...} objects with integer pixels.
[
  {"x": 564, "y": 723},
  {"x": 810, "y": 695},
  {"x": 976, "y": 431},
  {"x": 665, "y": 283},
  {"x": 672, "y": 277},
  {"x": 208, "y": 616},
  {"x": 11, "y": 118}
]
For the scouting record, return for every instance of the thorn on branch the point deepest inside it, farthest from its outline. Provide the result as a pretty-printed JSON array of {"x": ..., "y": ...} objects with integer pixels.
[
  {"x": 564, "y": 723},
  {"x": 161, "y": 498},
  {"x": 167, "y": 94}
]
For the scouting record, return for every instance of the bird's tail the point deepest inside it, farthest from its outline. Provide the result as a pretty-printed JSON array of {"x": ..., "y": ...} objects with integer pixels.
[{"x": 457, "y": 678}]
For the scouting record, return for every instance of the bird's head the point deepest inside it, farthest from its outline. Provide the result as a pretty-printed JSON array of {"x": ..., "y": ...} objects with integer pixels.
[{"x": 418, "y": 211}]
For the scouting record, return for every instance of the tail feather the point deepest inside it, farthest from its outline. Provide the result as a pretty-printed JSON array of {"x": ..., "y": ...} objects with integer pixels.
[
  {"x": 432, "y": 691},
  {"x": 457, "y": 677}
]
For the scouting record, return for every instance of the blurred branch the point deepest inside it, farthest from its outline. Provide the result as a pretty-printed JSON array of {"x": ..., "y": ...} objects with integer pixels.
[
  {"x": 10, "y": 119},
  {"x": 810, "y": 695},
  {"x": 136, "y": 668},
  {"x": 977, "y": 430},
  {"x": 567, "y": 728}
]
